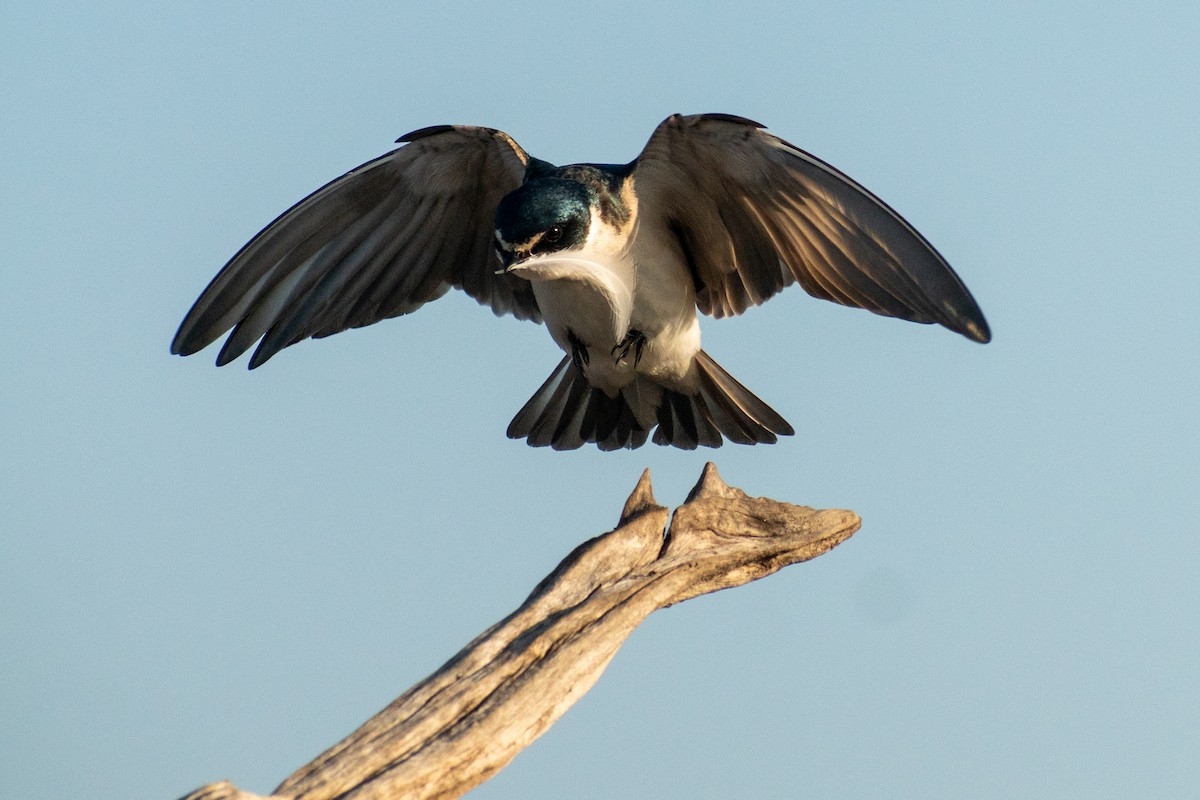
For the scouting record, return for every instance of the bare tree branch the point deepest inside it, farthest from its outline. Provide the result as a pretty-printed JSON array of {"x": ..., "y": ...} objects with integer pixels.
[{"x": 464, "y": 723}]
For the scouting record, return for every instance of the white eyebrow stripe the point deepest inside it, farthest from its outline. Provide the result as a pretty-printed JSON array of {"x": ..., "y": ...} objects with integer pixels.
[{"x": 509, "y": 246}]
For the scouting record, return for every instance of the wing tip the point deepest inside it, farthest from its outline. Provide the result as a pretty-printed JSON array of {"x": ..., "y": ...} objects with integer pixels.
[
  {"x": 979, "y": 333},
  {"x": 187, "y": 345},
  {"x": 190, "y": 340},
  {"x": 971, "y": 324}
]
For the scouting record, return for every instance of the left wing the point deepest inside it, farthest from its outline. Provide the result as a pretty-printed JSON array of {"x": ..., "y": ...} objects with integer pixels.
[{"x": 753, "y": 214}]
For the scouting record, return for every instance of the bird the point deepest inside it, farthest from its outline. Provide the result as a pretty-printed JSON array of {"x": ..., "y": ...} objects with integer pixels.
[{"x": 714, "y": 216}]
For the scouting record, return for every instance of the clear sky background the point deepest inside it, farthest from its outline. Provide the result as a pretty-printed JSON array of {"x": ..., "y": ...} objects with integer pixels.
[{"x": 211, "y": 574}]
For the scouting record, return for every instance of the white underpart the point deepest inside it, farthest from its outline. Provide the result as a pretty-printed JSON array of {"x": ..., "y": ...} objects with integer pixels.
[
  {"x": 590, "y": 296},
  {"x": 603, "y": 289},
  {"x": 664, "y": 309}
]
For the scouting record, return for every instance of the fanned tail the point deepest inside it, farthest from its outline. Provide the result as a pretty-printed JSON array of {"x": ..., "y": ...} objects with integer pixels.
[
  {"x": 566, "y": 412},
  {"x": 733, "y": 409}
]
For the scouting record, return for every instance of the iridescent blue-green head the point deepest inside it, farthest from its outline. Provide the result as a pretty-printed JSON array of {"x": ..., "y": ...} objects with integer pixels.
[{"x": 544, "y": 215}]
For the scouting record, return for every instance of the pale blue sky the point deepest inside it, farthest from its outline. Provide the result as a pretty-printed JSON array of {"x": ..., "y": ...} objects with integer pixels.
[{"x": 212, "y": 574}]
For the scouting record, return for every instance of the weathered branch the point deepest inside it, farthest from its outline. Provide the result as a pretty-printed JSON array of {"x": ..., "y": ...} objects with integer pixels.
[{"x": 465, "y": 722}]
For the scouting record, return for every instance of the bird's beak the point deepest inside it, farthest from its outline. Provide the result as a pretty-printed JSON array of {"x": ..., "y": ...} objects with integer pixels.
[{"x": 508, "y": 259}]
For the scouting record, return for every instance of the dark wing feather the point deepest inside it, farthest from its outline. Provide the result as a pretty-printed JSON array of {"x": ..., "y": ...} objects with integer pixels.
[
  {"x": 753, "y": 213},
  {"x": 378, "y": 242}
]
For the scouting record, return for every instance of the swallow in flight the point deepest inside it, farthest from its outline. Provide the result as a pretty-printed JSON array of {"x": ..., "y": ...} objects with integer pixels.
[{"x": 714, "y": 216}]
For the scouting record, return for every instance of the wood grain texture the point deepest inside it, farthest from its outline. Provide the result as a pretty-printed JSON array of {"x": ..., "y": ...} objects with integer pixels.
[{"x": 464, "y": 723}]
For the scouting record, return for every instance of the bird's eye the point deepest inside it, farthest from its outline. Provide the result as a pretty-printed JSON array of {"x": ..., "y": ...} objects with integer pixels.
[{"x": 555, "y": 234}]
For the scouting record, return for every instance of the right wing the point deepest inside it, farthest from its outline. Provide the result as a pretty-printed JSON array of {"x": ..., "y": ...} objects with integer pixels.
[{"x": 378, "y": 242}]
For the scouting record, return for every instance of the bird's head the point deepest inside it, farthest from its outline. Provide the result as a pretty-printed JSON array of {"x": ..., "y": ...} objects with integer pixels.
[{"x": 545, "y": 215}]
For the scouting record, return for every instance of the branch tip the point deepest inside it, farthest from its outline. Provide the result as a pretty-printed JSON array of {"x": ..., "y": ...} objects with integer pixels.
[
  {"x": 640, "y": 500},
  {"x": 709, "y": 485}
]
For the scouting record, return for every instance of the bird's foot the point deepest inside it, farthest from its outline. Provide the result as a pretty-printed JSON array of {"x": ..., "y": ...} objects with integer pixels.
[
  {"x": 634, "y": 340},
  {"x": 579, "y": 351}
]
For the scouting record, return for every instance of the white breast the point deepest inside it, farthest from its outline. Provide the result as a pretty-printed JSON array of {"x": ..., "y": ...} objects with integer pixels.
[
  {"x": 591, "y": 296},
  {"x": 664, "y": 307},
  {"x": 600, "y": 297}
]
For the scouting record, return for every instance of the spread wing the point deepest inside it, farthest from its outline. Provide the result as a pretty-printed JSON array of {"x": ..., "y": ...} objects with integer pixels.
[
  {"x": 378, "y": 242},
  {"x": 753, "y": 213}
]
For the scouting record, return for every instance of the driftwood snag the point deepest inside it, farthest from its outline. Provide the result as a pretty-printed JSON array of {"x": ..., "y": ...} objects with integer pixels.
[{"x": 464, "y": 723}]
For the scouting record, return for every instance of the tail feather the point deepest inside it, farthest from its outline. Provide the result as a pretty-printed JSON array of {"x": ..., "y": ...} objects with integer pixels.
[
  {"x": 522, "y": 424},
  {"x": 569, "y": 432},
  {"x": 604, "y": 417},
  {"x": 556, "y": 407},
  {"x": 566, "y": 412},
  {"x": 731, "y": 420},
  {"x": 707, "y": 432},
  {"x": 724, "y": 386},
  {"x": 685, "y": 422}
]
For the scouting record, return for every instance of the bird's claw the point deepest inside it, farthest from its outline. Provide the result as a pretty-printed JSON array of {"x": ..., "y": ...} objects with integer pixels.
[
  {"x": 579, "y": 352},
  {"x": 634, "y": 340}
]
